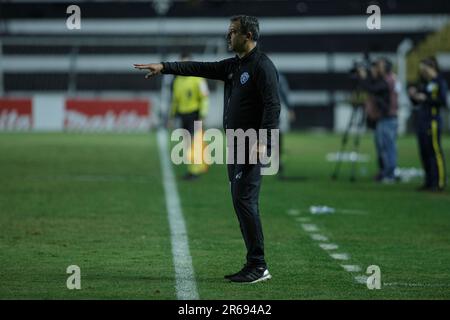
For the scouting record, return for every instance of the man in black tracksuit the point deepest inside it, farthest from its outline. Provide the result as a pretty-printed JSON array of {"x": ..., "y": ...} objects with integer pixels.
[{"x": 251, "y": 101}]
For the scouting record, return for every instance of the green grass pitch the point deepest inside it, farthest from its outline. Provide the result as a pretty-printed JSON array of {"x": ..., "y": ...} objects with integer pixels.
[{"x": 97, "y": 201}]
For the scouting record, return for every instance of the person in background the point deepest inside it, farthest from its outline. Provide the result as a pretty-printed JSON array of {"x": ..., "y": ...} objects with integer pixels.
[
  {"x": 430, "y": 98},
  {"x": 379, "y": 88},
  {"x": 190, "y": 103},
  {"x": 385, "y": 68}
]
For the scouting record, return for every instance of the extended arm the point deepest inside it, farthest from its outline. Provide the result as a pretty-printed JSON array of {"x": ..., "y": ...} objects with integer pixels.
[{"x": 211, "y": 70}]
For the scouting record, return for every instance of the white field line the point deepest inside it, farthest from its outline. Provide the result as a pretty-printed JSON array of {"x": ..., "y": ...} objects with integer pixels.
[
  {"x": 328, "y": 246},
  {"x": 293, "y": 212},
  {"x": 325, "y": 245},
  {"x": 186, "y": 287},
  {"x": 361, "y": 279},
  {"x": 351, "y": 267},
  {"x": 309, "y": 227},
  {"x": 337, "y": 211},
  {"x": 417, "y": 284},
  {"x": 340, "y": 256},
  {"x": 319, "y": 237}
]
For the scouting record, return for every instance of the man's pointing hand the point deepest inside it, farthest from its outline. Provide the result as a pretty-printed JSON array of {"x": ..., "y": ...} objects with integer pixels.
[{"x": 153, "y": 68}]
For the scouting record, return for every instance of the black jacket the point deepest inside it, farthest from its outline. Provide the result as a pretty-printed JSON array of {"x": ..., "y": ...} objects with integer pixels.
[
  {"x": 436, "y": 92},
  {"x": 379, "y": 89},
  {"x": 251, "y": 96}
]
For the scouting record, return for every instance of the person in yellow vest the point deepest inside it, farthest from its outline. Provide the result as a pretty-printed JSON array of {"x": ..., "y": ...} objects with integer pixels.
[{"x": 190, "y": 103}]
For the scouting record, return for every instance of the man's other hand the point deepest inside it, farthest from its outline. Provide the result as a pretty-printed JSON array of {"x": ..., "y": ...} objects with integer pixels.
[
  {"x": 257, "y": 151},
  {"x": 153, "y": 68}
]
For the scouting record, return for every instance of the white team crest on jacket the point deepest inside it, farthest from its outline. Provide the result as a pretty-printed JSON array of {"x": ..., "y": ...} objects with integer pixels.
[{"x": 244, "y": 77}]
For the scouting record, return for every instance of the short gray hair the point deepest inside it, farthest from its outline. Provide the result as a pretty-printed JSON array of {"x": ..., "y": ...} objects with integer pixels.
[{"x": 248, "y": 24}]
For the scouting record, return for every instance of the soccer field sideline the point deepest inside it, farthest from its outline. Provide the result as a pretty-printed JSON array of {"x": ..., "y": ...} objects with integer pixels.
[
  {"x": 66, "y": 200},
  {"x": 358, "y": 273},
  {"x": 186, "y": 287},
  {"x": 329, "y": 246}
]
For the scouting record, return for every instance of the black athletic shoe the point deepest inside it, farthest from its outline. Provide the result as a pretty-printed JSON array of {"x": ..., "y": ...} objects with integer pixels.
[
  {"x": 251, "y": 275},
  {"x": 244, "y": 269}
]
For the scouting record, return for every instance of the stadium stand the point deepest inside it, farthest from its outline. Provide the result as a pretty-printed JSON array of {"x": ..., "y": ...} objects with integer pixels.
[{"x": 313, "y": 44}]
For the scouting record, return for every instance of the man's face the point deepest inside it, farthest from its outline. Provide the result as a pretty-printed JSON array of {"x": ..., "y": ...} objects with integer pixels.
[{"x": 235, "y": 40}]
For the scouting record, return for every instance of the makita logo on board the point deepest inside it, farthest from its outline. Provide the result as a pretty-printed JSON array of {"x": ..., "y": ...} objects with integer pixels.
[
  {"x": 107, "y": 115},
  {"x": 110, "y": 121},
  {"x": 15, "y": 114}
]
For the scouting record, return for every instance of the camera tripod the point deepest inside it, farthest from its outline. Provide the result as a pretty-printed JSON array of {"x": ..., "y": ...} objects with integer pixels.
[{"x": 357, "y": 121}]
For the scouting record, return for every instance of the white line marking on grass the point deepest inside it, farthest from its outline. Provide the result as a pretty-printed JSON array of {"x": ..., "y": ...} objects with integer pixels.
[
  {"x": 186, "y": 286},
  {"x": 321, "y": 210},
  {"x": 340, "y": 256},
  {"x": 328, "y": 246},
  {"x": 293, "y": 212},
  {"x": 309, "y": 227},
  {"x": 351, "y": 267},
  {"x": 347, "y": 157},
  {"x": 361, "y": 279},
  {"x": 319, "y": 237},
  {"x": 303, "y": 219},
  {"x": 409, "y": 284}
]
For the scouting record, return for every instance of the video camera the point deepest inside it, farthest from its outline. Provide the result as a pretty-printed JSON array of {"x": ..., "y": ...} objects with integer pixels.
[
  {"x": 366, "y": 64},
  {"x": 362, "y": 64},
  {"x": 358, "y": 65}
]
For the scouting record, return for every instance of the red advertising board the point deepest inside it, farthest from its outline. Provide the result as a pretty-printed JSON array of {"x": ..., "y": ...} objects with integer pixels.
[
  {"x": 107, "y": 115},
  {"x": 16, "y": 114}
]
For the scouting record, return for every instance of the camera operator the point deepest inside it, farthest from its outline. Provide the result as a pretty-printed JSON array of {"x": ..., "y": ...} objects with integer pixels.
[{"x": 379, "y": 82}]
